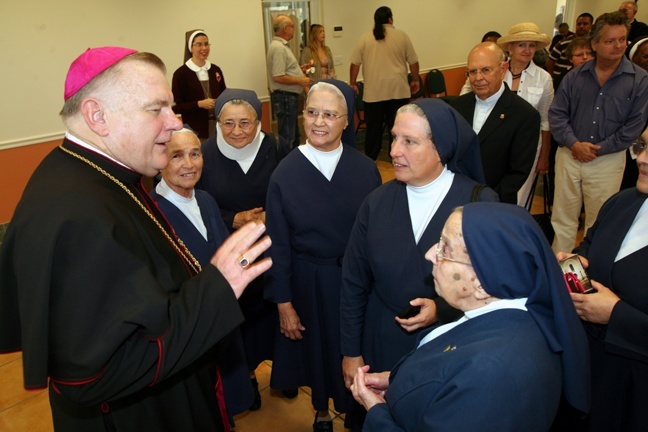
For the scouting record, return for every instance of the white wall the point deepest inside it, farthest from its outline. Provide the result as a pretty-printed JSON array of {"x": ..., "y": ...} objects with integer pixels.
[
  {"x": 442, "y": 31},
  {"x": 598, "y": 7},
  {"x": 40, "y": 38}
]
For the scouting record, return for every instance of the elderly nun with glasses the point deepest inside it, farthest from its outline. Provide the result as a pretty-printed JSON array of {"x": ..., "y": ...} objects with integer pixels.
[
  {"x": 437, "y": 165},
  {"x": 313, "y": 198},
  {"x": 517, "y": 349},
  {"x": 238, "y": 162}
]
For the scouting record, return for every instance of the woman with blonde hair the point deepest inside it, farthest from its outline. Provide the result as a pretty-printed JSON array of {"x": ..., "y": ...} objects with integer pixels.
[
  {"x": 318, "y": 54},
  {"x": 534, "y": 85}
]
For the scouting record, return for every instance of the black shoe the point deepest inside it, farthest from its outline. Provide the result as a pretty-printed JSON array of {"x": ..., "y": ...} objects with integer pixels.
[
  {"x": 256, "y": 405},
  {"x": 322, "y": 426},
  {"x": 290, "y": 394}
]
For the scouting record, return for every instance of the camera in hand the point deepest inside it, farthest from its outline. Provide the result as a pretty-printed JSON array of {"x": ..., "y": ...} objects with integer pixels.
[{"x": 575, "y": 276}]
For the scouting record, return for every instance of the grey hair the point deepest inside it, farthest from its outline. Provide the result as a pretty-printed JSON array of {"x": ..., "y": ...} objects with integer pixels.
[
  {"x": 324, "y": 86},
  {"x": 612, "y": 19},
  {"x": 411, "y": 108},
  {"x": 240, "y": 102},
  {"x": 279, "y": 23},
  {"x": 184, "y": 130}
]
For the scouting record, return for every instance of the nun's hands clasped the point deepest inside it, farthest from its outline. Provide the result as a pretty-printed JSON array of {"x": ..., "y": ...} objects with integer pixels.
[{"x": 369, "y": 389}]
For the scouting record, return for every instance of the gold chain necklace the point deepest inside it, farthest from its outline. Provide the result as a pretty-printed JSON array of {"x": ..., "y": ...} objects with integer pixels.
[{"x": 183, "y": 252}]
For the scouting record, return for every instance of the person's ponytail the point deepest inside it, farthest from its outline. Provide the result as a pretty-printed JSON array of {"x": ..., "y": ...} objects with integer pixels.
[{"x": 382, "y": 16}]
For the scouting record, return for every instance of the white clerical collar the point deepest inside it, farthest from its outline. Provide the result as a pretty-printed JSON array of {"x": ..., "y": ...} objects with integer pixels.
[
  {"x": 164, "y": 190},
  {"x": 248, "y": 152},
  {"x": 433, "y": 184},
  {"x": 497, "y": 305},
  {"x": 491, "y": 100},
  {"x": 637, "y": 236},
  {"x": 194, "y": 67},
  {"x": 188, "y": 206},
  {"x": 491, "y": 307},
  {"x": 424, "y": 201},
  {"x": 325, "y": 162},
  {"x": 90, "y": 147}
]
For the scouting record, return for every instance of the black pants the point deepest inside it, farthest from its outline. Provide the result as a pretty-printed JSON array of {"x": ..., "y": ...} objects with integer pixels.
[{"x": 378, "y": 115}]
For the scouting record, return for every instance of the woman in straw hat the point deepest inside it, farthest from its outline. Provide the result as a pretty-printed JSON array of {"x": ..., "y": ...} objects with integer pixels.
[{"x": 532, "y": 84}]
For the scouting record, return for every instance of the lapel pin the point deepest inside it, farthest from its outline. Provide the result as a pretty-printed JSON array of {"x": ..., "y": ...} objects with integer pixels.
[
  {"x": 450, "y": 348},
  {"x": 502, "y": 116}
]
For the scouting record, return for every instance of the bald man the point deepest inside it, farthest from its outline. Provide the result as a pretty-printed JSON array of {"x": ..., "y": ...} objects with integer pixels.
[
  {"x": 507, "y": 126},
  {"x": 637, "y": 28}
]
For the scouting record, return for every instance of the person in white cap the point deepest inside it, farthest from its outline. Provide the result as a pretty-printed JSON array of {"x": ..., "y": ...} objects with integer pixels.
[{"x": 110, "y": 309}]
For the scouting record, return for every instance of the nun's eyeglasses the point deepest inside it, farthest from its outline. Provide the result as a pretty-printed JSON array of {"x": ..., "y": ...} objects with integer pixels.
[
  {"x": 441, "y": 257},
  {"x": 245, "y": 125},
  {"x": 327, "y": 116},
  {"x": 639, "y": 146}
]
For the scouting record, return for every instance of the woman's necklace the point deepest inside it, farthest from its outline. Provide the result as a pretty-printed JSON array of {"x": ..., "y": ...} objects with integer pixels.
[
  {"x": 517, "y": 76},
  {"x": 183, "y": 252}
]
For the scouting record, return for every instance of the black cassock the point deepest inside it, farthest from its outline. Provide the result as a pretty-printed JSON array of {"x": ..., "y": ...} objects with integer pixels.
[{"x": 101, "y": 304}]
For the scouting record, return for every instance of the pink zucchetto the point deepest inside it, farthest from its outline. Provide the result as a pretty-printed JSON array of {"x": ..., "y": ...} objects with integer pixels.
[{"x": 90, "y": 64}]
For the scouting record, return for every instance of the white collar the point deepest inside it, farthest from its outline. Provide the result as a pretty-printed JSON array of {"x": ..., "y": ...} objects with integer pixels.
[
  {"x": 532, "y": 70},
  {"x": 90, "y": 147},
  {"x": 233, "y": 153},
  {"x": 497, "y": 305},
  {"x": 194, "y": 67},
  {"x": 432, "y": 185},
  {"x": 164, "y": 190},
  {"x": 494, "y": 306},
  {"x": 280, "y": 39},
  {"x": 492, "y": 100}
]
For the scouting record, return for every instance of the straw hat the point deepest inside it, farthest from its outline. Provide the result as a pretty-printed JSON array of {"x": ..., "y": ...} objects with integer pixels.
[{"x": 524, "y": 32}]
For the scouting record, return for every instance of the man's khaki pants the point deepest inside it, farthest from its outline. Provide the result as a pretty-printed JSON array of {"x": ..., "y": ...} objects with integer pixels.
[{"x": 591, "y": 183}]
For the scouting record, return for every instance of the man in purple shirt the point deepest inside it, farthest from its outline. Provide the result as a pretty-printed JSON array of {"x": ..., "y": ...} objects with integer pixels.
[{"x": 598, "y": 111}]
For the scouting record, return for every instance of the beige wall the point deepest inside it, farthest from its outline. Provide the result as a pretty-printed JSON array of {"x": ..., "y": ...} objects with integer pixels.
[
  {"x": 39, "y": 39},
  {"x": 442, "y": 31},
  {"x": 598, "y": 7}
]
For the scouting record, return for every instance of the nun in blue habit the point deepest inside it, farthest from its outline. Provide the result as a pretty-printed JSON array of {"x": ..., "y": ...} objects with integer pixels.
[
  {"x": 518, "y": 348},
  {"x": 437, "y": 166}
]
